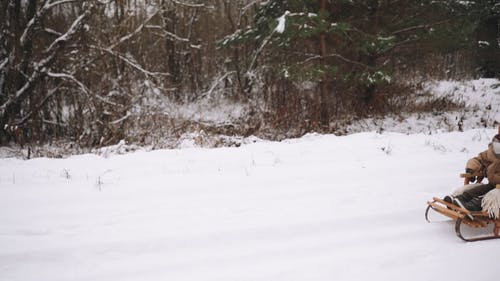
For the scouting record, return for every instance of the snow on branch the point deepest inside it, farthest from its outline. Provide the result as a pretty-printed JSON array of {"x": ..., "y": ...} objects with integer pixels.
[
  {"x": 190, "y": 5},
  {"x": 259, "y": 50},
  {"x": 31, "y": 26},
  {"x": 52, "y": 31},
  {"x": 70, "y": 77},
  {"x": 168, "y": 34},
  {"x": 22, "y": 91},
  {"x": 51, "y": 4},
  {"x": 121, "y": 119},
  {"x": 139, "y": 67},
  {"x": 84, "y": 89},
  {"x": 71, "y": 31},
  {"x": 4, "y": 63},
  {"x": 280, "y": 28},
  {"x": 130, "y": 62},
  {"x": 135, "y": 32},
  {"x": 216, "y": 83},
  {"x": 45, "y": 7},
  {"x": 52, "y": 122},
  {"x": 41, "y": 66},
  {"x": 155, "y": 27}
]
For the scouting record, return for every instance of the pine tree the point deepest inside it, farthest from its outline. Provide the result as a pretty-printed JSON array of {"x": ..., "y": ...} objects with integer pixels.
[
  {"x": 348, "y": 47},
  {"x": 484, "y": 15}
]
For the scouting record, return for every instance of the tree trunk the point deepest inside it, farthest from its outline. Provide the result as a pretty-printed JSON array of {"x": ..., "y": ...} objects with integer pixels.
[
  {"x": 488, "y": 51},
  {"x": 324, "y": 115}
]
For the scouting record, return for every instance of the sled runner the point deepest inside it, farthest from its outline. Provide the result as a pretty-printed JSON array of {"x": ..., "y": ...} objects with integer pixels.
[{"x": 462, "y": 216}]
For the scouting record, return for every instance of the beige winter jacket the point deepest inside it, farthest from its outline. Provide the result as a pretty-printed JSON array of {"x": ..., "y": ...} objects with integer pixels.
[{"x": 487, "y": 163}]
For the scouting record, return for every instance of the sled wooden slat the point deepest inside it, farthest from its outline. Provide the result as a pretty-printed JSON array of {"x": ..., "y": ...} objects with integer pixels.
[
  {"x": 455, "y": 212},
  {"x": 475, "y": 223},
  {"x": 463, "y": 216},
  {"x": 445, "y": 211},
  {"x": 481, "y": 220}
]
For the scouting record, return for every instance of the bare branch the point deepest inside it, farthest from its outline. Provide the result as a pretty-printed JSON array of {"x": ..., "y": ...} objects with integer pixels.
[
  {"x": 408, "y": 29},
  {"x": 51, "y": 4},
  {"x": 348, "y": 60},
  {"x": 167, "y": 34},
  {"x": 53, "y": 32},
  {"x": 40, "y": 67},
  {"x": 422, "y": 26},
  {"x": 69, "y": 77},
  {"x": 139, "y": 67},
  {"x": 243, "y": 10},
  {"x": 130, "y": 62},
  {"x": 121, "y": 119},
  {"x": 50, "y": 94},
  {"x": 190, "y": 5},
  {"x": 45, "y": 7},
  {"x": 4, "y": 63},
  {"x": 135, "y": 32},
  {"x": 216, "y": 83},
  {"x": 21, "y": 92},
  {"x": 81, "y": 85},
  {"x": 71, "y": 31},
  {"x": 50, "y": 122},
  {"x": 319, "y": 57},
  {"x": 259, "y": 50}
]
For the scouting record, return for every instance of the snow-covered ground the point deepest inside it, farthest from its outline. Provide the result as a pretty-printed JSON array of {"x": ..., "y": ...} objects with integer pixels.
[
  {"x": 481, "y": 100},
  {"x": 315, "y": 208}
]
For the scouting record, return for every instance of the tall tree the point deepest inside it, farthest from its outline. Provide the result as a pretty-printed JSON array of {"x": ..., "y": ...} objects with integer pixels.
[
  {"x": 347, "y": 47},
  {"x": 485, "y": 15},
  {"x": 23, "y": 69}
]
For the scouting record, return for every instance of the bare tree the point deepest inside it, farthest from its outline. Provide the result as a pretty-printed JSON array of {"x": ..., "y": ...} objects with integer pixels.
[
  {"x": 72, "y": 66},
  {"x": 26, "y": 68}
]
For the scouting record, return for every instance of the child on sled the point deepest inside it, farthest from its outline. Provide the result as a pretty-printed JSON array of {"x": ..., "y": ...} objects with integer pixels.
[{"x": 478, "y": 197}]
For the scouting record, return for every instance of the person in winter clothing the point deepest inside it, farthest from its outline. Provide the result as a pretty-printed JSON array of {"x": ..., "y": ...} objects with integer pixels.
[{"x": 485, "y": 165}]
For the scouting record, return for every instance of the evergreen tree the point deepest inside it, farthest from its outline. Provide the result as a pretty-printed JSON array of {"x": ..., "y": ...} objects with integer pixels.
[
  {"x": 484, "y": 16},
  {"x": 348, "y": 47}
]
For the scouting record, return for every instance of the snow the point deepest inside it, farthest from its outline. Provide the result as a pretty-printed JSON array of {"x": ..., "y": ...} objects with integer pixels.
[
  {"x": 480, "y": 98},
  {"x": 280, "y": 28},
  {"x": 483, "y": 43},
  {"x": 321, "y": 207}
]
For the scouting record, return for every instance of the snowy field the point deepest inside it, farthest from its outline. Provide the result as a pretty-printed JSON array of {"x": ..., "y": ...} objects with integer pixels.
[{"x": 314, "y": 208}]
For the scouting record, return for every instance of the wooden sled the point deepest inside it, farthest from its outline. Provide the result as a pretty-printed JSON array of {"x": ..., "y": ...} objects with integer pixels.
[{"x": 461, "y": 217}]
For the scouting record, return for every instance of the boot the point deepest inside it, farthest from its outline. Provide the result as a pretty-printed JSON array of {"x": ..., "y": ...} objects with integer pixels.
[
  {"x": 458, "y": 200},
  {"x": 474, "y": 204}
]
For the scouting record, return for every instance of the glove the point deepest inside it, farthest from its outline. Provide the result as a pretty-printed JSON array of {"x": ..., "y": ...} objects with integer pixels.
[{"x": 470, "y": 171}]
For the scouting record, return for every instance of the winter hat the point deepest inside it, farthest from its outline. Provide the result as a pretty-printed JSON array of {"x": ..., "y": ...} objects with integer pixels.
[{"x": 495, "y": 143}]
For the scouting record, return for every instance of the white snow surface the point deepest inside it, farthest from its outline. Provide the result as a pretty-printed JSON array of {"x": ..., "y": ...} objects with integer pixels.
[{"x": 321, "y": 207}]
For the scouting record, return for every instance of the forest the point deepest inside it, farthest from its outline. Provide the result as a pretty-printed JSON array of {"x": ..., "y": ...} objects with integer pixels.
[{"x": 95, "y": 72}]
